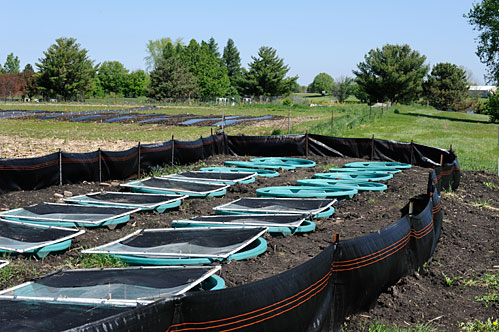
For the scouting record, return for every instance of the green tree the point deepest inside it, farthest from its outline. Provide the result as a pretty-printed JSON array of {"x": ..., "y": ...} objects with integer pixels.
[
  {"x": 266, "y": 75},
  {"x": 12, "y": 65},
  {"x": 171, "y": 79},
  {"x": 321, "y": 82},
  {"x": 393, "y": 73},
  {"x": 112, "y": 77},
  {"x": 136, "y": 84},
  {"x": 484, "y": 17},
  {"x": 446, "y": 86},
  {"x": 65, "y": 71},
  {"x": 232, "y": 62},
  {"x": 492, "y": 107},
  {"x": 211, "y": 76},
  {"x": 156, "y": 48},
  {"x": 30, "y": 79},
  {"x": 213, "y": 46},
  {"x": 343, "y": 88}
]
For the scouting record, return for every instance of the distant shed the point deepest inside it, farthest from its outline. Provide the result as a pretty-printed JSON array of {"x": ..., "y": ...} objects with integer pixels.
[{"x": 482, "y": 91}]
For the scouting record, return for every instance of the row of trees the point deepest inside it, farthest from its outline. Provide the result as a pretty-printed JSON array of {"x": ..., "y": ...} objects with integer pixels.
[
  {"x": 199, "y": 70},
  {"x": 177, "y": 71},
  {"x": 398, "y": 74}
]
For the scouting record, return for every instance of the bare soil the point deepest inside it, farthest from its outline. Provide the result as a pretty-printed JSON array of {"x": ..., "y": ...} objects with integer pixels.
[{"x": 467, "y": 249}]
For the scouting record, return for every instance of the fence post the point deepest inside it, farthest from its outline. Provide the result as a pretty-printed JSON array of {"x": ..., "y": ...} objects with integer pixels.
[
  {"x": 332, "y": 119},
  {"x": 412, "y": 151},
  {"x": 441, "y": 160},
  {"x": 306, "y": 143},
  {"x": 173, "y": 149},
  {"x": 60, "y": 167},
  {"x": 372, "y": 148},
  {"x": 100, "y": 165},
  {"x": 289, "y": 120},
  {"x": 138, "y": 166}
]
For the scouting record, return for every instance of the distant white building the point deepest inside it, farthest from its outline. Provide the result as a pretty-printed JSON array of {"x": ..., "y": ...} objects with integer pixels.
[{"x": 482, "y": 91}]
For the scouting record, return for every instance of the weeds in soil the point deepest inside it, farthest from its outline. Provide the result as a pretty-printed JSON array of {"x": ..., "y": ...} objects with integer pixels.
[
  {"x": 89, "y": 261},
  {"x": 9, "y": 274},
  {"x": 481, "y": 204},
  {"x": 449, "y": 282},
  {"x": 328, "y": 166},
  {"x": 491, "y": 185},
  {"x": 491, "y": 282},
  {"x": 371, "y": 200},
  {"x": 478, "y": 326},
  {"x": 171, "y": 169},
  {"x": 380, "y": 327}
]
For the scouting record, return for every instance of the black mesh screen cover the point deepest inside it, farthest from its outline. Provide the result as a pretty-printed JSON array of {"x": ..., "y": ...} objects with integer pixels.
[
  {"x": 191, "y": 186},
  {"x": 44, "y": 208},
  {"x": 27, "y": 233}
]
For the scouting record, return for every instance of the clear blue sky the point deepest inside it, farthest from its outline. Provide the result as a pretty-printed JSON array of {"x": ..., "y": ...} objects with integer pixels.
[{"x": 312, "y": 36}]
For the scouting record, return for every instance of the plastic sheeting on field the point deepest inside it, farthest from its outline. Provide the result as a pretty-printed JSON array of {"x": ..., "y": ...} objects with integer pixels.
[
  {"x": 19, "y": 237},
  {"x": 188, "y": 242},
  {"x": 130, "y": 286}
]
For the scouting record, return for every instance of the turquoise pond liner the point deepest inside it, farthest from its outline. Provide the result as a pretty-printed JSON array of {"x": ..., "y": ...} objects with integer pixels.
[
  {"x": 295, "y": 162},
  {"x": 257, "y": 247},
  {"x": 69, "y": 215},
  {"x": 378, "y": 164},
  {"x": 231, "y": 178},
  {"x": 360, "y": 186},
  {"x": 313, "y": 208},
  {"x": 338, "y": 192},
  {"x": 109, "y": 223},
  {"x": 160, "y": 206},
  {"x": 364, "y": 176},
  {"x": 250, "y": 164},
  {"x": 259, "y": 172},
  {"x": 213, "y": 282},
  {"x": 306, "y": 226},
  {"x": 40, "y": 240},
  {"x": 139, "y": 186},
  {"x": 366, "y": 169},
  {"x": 45, "y": 250}
]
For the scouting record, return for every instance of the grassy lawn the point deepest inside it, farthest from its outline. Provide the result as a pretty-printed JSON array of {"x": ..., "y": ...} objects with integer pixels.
[{"x": 473, "y": 138}]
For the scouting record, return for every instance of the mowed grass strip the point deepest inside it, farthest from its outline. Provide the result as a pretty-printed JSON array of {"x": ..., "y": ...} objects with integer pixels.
[{"x": 472, "y": 137}]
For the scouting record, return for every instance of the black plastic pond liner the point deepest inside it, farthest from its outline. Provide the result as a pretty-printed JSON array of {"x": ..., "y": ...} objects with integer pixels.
[
  {"x": 28, "y": 316},
  {"x": 37, "y": 173},
  {"x": 205, "y": 237},
  {"x": 31, "y": 233},
  {"x": 117, "y": 197},
  {"x": 214, "y": 175},
  {"x": 153, "y": 278},
  {"x": 260, "y": 220},
  {"x": 345, "y": 278},
  {"x": 173, "y": 184},
  {"x": 45, "y": 208}
]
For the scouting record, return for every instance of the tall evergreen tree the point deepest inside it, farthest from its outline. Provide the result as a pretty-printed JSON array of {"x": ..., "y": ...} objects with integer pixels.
[
  {"x": 171, "y": 79},
  {"x": 446, "y": 86},
  {"x": 213, "y": 46},
  {"x": 393, "y": 73},
  {"x": 266, "y": 75},
  {"x": 232, "y": 62},
  {"x": 12, "y": 64},
  {"x": 65, "y": 71}
]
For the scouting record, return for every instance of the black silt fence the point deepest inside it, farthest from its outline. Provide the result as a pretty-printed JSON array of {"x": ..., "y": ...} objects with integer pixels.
[
  {"x": 64, "y": 167},
  {"x": 345, "y": 278}
]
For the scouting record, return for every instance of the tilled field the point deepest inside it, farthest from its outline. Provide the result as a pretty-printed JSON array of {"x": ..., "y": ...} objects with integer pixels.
[{"x": 467, "y": 249}]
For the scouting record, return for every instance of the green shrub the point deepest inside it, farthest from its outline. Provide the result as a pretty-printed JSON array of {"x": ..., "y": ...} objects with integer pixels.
[
  {"x": 492, "y": 107},
  {"x": 287, "y": 101}
]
